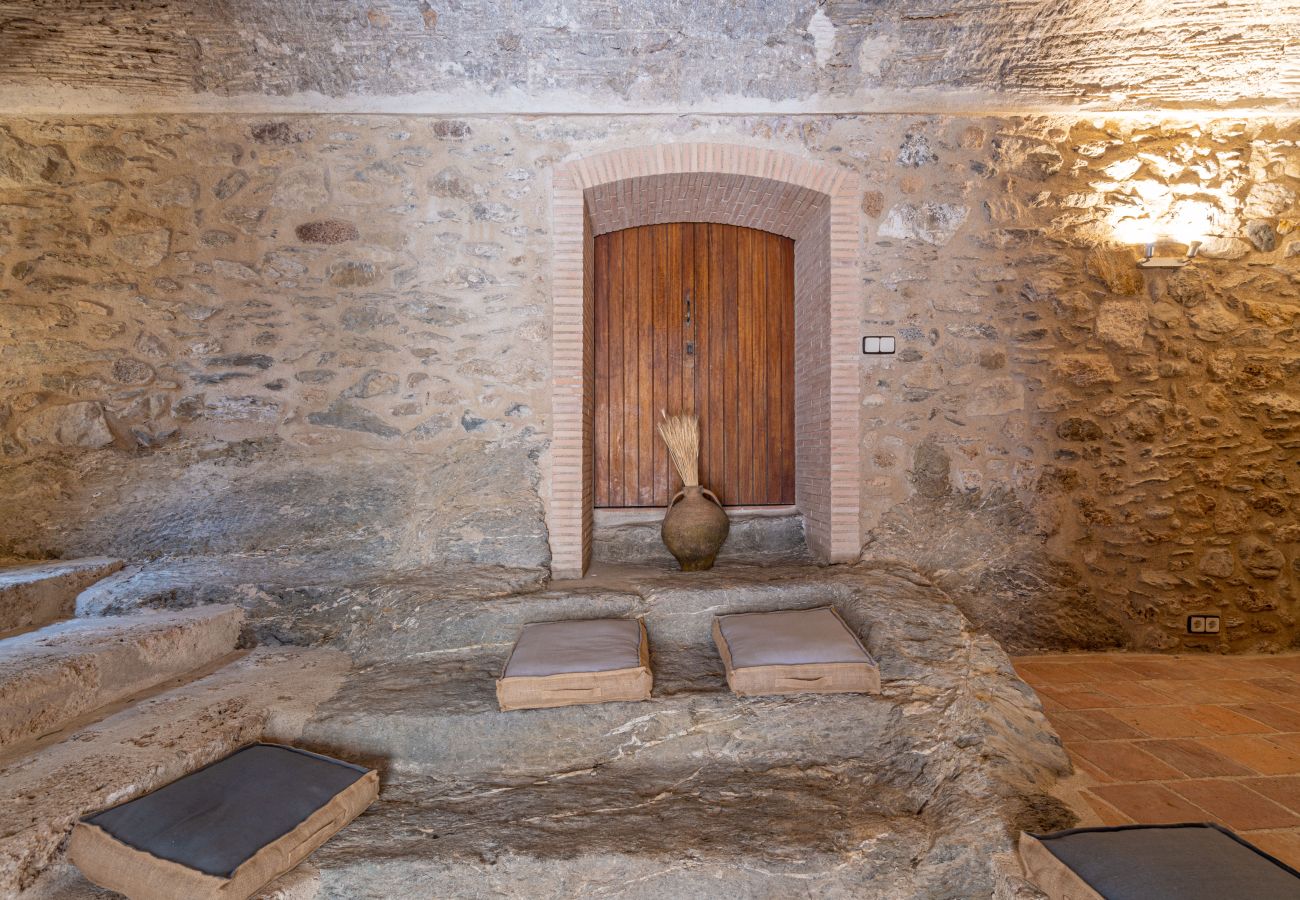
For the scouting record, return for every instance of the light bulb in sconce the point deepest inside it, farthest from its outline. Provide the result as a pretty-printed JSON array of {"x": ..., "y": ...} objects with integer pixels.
[{"x": 1147, "y": 232}]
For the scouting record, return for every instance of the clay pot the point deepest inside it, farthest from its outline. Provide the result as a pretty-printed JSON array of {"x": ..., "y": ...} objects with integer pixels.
[{"x": 694, "y": 528}]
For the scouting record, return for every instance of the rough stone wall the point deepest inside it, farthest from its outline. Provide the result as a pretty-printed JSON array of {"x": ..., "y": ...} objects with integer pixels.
[
  {"x": 1124, "y": 443},
  {"x": 577, "y": 55},
  {"x": 315, "y": 336},
  {"x": 328, "y": 336}
]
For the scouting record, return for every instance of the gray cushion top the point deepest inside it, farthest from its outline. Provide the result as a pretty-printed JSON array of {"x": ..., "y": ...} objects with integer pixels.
[
  {"x": 790, "y": 638},
  {"x": 583, "y": 645},
  {"x": 1179, "y": 862},
  {"x": 216, "y": 818}
]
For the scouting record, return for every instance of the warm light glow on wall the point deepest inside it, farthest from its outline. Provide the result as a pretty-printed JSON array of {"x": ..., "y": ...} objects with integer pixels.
[{"x": 1164, "y": 218}]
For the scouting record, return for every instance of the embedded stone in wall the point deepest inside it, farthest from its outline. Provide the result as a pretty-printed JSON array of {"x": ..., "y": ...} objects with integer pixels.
[
  {"x": 350, "y": 417},
  {"x": 933, "y": 223},
  {"x": 930, "y": 470},
  {"x": 353, "y": 274},
  {"x": 1085, "y": 370},
  {"x": 1260, "y": 559},
  {"x": 145, "y": 249},
  {"x": 70, "y": 425},
  {"x": 1123, "y": 323},
  {"x": 1117, "y": 269},
  {"x": 25, "y": 165},
  {"x": 327, "y": 231}
]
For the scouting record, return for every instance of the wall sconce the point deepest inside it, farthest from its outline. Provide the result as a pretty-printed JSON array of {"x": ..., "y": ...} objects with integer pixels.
[
  {"x": 1182, "y": 222},
  {"x": 1151, "y": 261}
]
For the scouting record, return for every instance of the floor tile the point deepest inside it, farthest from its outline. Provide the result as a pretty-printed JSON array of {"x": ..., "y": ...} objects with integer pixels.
[
  {"x": 1222, "y": 720},
  {"x": 1257, "y": 753},
  {"x": 1162, "y": 721},
  {"x": 1149, "y": 734},
  {"x": 1284, "y": 789},
  {"x": 1075, "y": 697},
  {"x": 1108, "y": 814},
  {"x": 1284, "y": 845},
  {"x": 1194, "y": 758},
  {"x": 1283, "y": 688},
  {"x": 1136, "y": 693},
  {"x": 1274, "y": 715},
  {"x": 1123, "y": 761},
  {"x": 1160, "y": 667},
  {"x": 1148, "y": 803},
  {"x": 1289, "y": 741},
  {"x": 1235, "y": 805},
  {"x": 1093, "y": 725},
  {"x": 1287, "y": 663}
]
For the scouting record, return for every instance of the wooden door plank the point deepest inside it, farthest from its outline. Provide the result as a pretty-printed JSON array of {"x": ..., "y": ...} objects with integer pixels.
[
  {"x": 659, "y": 302},
  {"x": 599, "y": 388},
  {"x": 787, "y": 455},
  {"x": 614, "y": 384},
  {"x": 741, "y": 405},
  {"x": 674, "y": 336},
  {"x": 717, "y": 369},
  {"x": 631, "y": 367},
  {"x": 777, "y": 300},
  {"x": 646, "y": 366},
  {"x": 731, "y": 310},
  {"x": 762, "y": 368}
]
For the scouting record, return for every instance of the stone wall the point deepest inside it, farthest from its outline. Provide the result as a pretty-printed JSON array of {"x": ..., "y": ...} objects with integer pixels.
[{"x": 327, "y": 336}]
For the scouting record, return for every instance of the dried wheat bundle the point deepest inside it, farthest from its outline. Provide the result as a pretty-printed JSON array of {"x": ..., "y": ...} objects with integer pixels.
[{"x": 682, "y": 435}]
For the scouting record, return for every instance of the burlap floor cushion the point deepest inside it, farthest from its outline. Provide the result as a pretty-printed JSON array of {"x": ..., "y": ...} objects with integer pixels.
[
  {"x": 1154, "y": 862},
  {"x": 225, "y": 830},
  {"x": 570, "y": 663},
  {"x": 792, "y": 652}
]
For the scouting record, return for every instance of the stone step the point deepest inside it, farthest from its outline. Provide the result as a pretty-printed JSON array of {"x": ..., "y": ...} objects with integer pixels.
[
  {"x": 678, "y": 609},
  {"x": 441, "y": 720},
  {"x": 36, "y": 594},
  {"x": 55, "y": 674},
  {"x": 758, "y": 536},
  {"x": 735, "y": 834},
  {"x": 263, "y": 695},
  {"x": 424, "y": 698}
]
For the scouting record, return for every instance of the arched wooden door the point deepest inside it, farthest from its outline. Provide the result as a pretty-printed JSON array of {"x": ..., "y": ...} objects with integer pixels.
[{"x": 694, "y": 317}]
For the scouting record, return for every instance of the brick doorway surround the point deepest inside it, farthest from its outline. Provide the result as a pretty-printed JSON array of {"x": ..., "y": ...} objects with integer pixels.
[{"x": 814, "y": 204}]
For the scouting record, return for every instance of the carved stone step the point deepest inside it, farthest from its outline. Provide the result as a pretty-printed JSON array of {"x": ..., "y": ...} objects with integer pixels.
[
  {"x": 36, "y": 594},
  {"x": 50, "y": 676},
  {"x": 266, "y": 694}
]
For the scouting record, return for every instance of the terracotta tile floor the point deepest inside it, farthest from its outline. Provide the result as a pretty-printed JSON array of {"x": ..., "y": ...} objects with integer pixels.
[{"x": 1179, "y": 739}]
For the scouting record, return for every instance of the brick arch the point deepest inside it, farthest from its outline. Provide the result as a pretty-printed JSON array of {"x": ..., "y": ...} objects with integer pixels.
[{"x": 813, "y": 203}]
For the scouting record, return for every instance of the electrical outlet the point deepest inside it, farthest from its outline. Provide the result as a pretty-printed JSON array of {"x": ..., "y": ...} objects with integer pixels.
[
  {"x": 1211, "y": 624},
  {"x": 1196, "y": 624}
]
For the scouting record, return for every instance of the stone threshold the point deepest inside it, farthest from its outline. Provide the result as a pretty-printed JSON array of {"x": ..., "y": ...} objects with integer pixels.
[{"x": 636, "y": 515}]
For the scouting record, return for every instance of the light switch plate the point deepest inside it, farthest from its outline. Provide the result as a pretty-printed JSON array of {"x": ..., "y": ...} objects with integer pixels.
[{"x": 877, "y": 344}]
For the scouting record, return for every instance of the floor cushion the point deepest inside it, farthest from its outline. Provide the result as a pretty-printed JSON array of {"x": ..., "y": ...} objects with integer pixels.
[
  {"x": 1154, "y": 862},
  {"x": 226, "y": 830},
  {"x": 794, "y": 651},
  {"x": 582, "y": 661}
]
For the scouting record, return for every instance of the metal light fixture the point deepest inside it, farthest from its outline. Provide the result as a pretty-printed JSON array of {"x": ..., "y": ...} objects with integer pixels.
[{"x": 1151, "y": 261}]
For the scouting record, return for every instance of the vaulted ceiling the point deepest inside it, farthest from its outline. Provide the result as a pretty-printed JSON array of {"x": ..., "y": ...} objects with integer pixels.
[{"x": 589, "y": 55}]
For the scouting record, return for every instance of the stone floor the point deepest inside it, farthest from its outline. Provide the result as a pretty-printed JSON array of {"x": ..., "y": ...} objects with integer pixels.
[
  {"x": 1179, "y": 739},
  {"x": 918, "y": 792}
]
